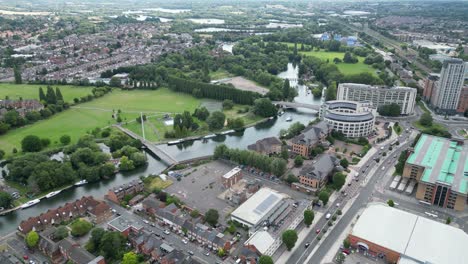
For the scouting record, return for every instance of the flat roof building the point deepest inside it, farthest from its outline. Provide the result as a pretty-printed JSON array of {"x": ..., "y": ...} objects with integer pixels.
[
  {"x": 405, "y": 238},
  {"x": 405, "y": 97},
  {"x": 440, "y": 166},
  {"x": 264, "y": 205},
  {"x": 353, "y": 119}
]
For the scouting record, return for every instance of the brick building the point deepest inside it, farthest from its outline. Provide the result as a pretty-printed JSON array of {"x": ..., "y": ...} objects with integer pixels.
[
  {"x": 267, "y": 146},
  {"x": 232, "y": 177},
  {"x": 97, "y": 211},
  {"x": 439, "y": 165},
  {"x": 316, "y": 175},
  {"x": 118, "y": 193},
  {"x": 402, "y": 237},
  {"x": 311, "y": 137}
]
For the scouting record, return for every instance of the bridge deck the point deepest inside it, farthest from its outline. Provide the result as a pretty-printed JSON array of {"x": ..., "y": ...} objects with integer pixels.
[
  {"x": 164, "y": 156},
  {"x": 297, "y": 105}
]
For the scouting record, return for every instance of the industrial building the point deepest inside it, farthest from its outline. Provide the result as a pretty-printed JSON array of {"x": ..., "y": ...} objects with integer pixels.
[
  {"x": 353, "y": 119},
  {"x": 405, "y": 97},
  {"x": 261, "y": 208},
  {"x": 405, "y": 238},
  {"x": 440, "y": 166}
]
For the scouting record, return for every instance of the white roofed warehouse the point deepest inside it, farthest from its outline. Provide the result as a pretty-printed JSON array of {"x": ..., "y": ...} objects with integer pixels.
[
  {"x": 405, "y": 238},
  {"x": 265, "y": 205}
]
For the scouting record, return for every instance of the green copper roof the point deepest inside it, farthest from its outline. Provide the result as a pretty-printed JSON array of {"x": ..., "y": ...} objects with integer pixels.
[{"x": 444, "y": 161}]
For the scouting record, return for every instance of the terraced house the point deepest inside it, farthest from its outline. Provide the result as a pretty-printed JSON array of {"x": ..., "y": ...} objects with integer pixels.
[{"x": 440, "y": 166}]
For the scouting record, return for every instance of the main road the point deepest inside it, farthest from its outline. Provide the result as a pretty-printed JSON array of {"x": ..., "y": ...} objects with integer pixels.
[{"x": 370, "y": 173}]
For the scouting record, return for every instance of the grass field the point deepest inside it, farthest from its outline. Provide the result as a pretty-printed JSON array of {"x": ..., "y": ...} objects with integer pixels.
[
  {"x": 220, "y": 74},
  {"x": 27, "y": 91},
  {"x": 98, "y": 113},
  {"x": 345, "y": 68}
]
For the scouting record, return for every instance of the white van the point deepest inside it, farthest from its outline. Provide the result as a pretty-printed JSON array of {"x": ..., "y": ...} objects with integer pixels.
[{"x": 328, "y": 216}]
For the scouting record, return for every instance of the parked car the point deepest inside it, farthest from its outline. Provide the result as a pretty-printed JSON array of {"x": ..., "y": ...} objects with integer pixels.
[
  {"x": 307, "y": 245},
  {"x": 317, "y": 231}
]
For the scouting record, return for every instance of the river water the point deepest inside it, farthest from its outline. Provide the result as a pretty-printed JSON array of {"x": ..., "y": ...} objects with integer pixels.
[{"x": 186, "y": 150}]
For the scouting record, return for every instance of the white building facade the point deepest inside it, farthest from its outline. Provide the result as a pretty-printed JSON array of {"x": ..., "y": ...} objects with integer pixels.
[
  {"x": 405, "y": 97},
  {"x": 353, "y": 119},
  {"x": 449, "y": 86}
]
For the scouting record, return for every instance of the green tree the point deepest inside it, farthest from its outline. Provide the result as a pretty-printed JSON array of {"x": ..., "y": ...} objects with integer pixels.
[
  {"x": 344, "y": 163},
  {"x": 115, "y": 82},
  {"x": 194, "y": 213},
  {"x": 17, "y": 74},
  {"x": 278, "y": 167},
  {"x": 264, "y": 107},
  {"x": 2, "y": 154},
  {"x": 228, "y": 104},
  {"x": 58, "y": 95},
  {"x": 264, "y": 259},
  {"x": 289, "y": 238},
  {"x": 392, "y": 109},
  {"x": 112, "y": 245},
  {"x": 216, "y": 120},
  {"x": 221, "y": 252},
  {"x": 286, "y": 87},
  {"x": 236, "y": 123},
  {"x": 32, "y": 238},
  {"x": 50, "y": 96},
  {"x": 291, "y": 178},
  {"x": 346, "y": 243},
  {"x": 324, "y": 196},
  {"x": 449, "y": 220},
  {"x": 211, "y": 217},
  {"x": 5, "y": 200},
  {"x": 61, "y": 233},
  {"x": 426, "y": 120},
  {"x": 339, "y": 180},
  {"x": 201, "y": 113},
  {"x": 130, "y": 258},
  {"x": 42, "y": 96},
  {"x": 126, "y": 164},
  {"x": 308, "y": 217},
  {"x": 80, "y": 227},
  {"x": 298, "y": 161},
  {"x": 65, "y": 139},
  {"x": 31, "y": 143},
  {"x": 391, "y": 203}
]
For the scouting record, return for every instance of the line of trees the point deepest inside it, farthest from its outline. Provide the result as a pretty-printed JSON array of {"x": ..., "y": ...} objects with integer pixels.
[
  {"x": 276, "y": 166},
  {"x": 205, "y": 90}
]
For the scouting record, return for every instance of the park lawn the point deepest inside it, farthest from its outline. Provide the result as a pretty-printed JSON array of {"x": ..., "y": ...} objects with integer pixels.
[
  {"x": 81, "y": 119},
  {"x": 434, "y": 125},
  {"x": 73, "y": 122},
  {"x": 162, "y": 100},
  {"x": 220, "y": 74},
  {"x": 31, "y": 91},
  {"x": 345, "y": 68},
  {"x": 249, "y": 118},
  {"x": 158, "y": 184}
]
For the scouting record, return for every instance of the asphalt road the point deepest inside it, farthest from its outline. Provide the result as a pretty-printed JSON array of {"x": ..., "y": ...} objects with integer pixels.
[{"x": 364, "y": 194}]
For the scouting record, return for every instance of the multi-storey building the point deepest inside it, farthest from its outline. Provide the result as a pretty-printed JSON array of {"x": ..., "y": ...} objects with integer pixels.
[
  {"x": 463, "y": 100},
  {"x": 449, "y": 86},
  {"x": 405, "y": 97},
  {"x": 440, "y": 166},
  {"x": 118, "y": 193},
  {"x": 312, "y": 136},
  {"x": 429, "y": 88},
  {"x": 353, "y": 119}
]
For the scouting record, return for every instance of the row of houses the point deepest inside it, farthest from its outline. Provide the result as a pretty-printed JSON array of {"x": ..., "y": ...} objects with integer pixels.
[
  {"x": 149, "y": 244},
  {"x": 117, "y": 194},
  {"x": 180, "y": 222},
  {"x": 65, "y": 250},
  {"x": 20, "y": 106},
  {"x": 97, "y": 211}
]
